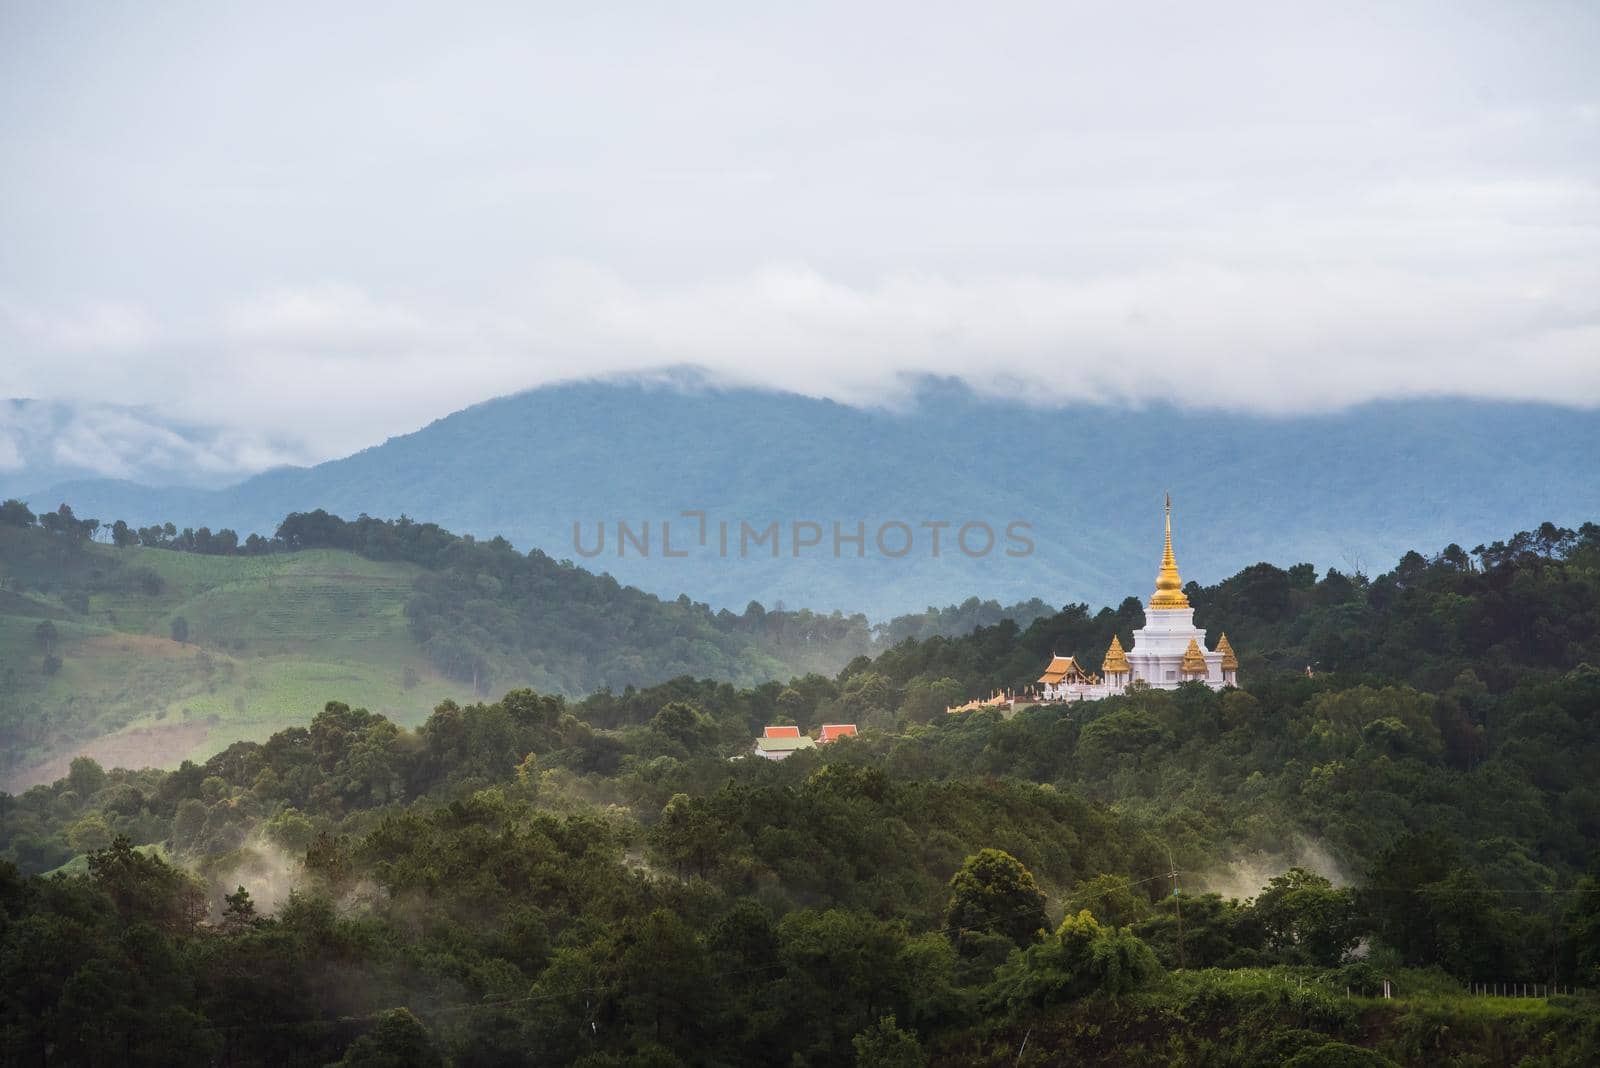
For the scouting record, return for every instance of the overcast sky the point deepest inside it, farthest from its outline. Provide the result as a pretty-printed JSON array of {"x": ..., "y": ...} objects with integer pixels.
[{"x": 318, "y": 225}]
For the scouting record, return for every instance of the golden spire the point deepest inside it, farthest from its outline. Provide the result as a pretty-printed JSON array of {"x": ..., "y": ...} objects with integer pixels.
[
  {"x": 1194, "y": 661},
  {"x": 1169, "y": 587},
  {"x": 1116, "y": 661},
  {"x": 1229, "y": 661}
]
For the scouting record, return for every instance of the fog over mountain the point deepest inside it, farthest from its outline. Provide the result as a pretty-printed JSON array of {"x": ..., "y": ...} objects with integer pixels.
[
  {"x": 1341, "y": 204},
  {"x": 1234, "y": 251},
  {"x": 46, "y": 442},
  {"x": 1351, "y": 489}
]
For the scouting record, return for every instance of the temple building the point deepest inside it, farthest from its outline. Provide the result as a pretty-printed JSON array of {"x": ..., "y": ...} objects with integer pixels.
[
  {"x": 1168, "y": 651},
  {"x": 1062, "y": 674}
]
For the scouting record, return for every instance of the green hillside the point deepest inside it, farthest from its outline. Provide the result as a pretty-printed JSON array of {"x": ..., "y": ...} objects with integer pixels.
[
  {"x": 1166, "y": 877},
  {"x": 267, "y": 638},
  {"x": 151, "y": 655},
  {"x": 167, "y": 644}
]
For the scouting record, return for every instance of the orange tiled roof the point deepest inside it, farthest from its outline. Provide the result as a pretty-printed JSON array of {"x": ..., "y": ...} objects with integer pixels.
[
  {"x": 782, "y": 732},
  {"x": 833, "y": 731},
  {"x": 1061, "y": 668}
]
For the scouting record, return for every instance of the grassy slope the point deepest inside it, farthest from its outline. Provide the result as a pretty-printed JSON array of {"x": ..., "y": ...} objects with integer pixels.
[
  {"x": 1245, "y": 1016},
  {"x": 271, "y": 640}
]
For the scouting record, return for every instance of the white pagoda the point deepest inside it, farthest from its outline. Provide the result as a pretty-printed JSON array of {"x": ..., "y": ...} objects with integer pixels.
[{"x": 1168, "y": 651}]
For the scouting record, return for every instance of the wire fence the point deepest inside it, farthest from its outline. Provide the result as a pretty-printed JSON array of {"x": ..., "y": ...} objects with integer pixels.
[{"x": 1525, "y": 990}]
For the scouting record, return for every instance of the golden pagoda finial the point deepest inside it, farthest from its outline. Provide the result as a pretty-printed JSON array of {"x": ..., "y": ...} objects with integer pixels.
[
  {"x": 1116, "y": 661},
  {"x": 1194, "y": 661},
  {"x": 1229, "y": 661},
  {"x": 1169, "y": 587}
]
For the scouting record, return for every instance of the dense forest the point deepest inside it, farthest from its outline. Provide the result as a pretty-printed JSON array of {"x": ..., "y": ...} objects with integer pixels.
[
  {"x": 485, "y": 612},
  {"x": 402, "y": 614},
  {"x": 1401, "y": 792}
]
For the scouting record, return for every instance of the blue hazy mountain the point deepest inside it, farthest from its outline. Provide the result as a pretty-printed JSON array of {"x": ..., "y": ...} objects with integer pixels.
[{"x": 1348, "y": 489}]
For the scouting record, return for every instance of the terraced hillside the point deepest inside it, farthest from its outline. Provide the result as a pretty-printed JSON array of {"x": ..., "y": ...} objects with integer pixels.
[
  {"x": 166, "y": 645},
  {"x": 266, "y": 642}
]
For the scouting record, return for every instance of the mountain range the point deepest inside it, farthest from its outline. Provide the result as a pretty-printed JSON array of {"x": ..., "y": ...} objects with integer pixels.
[{"x": 1348, "y": 489}]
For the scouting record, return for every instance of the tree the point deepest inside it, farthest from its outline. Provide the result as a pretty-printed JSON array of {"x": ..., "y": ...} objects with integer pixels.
[
  {"x": 239, "y": 912},
  {"x": 398, "y": 1040},
  {"x": 683, "y": 723},
  {"x": 1583, "y": 930},
  {"x": 842, "y": 969},
  {"x": 1306, "y": 919},
  {"x": 1080, "y": 959},
  {"x": 312, "y": 530},
  {"x": 1112, "y": 901},
  {"x": 993, "y": 892},
  {"x": 122, "y": 536},
  {"x": 188, "y": 823},
  {"x": 86, "y": 777},
  {"x": 62, "y": 521},
  {"x": 147, "y": 888},
  {"x": 291, "y": 830},
  {"x": 1425, "y": 902},
  {"x": 44, "y": 635},
  {"x": 89, "y": 833},
  {"x": 15, "y": 513},
  {"x": 883, "y": 1045},
  {"x": 1215, "y": 932},
  {"x": 664, "y": 977},
  {"x": 686, "y": 836},
  {"x": 180, "y": 629}
]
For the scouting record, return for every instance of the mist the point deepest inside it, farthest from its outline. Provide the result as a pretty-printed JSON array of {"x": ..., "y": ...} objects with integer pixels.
[{"x": 1238, "y": 208}]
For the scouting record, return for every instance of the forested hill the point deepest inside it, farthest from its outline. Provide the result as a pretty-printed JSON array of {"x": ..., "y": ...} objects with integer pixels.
[
  {"x": 1505, "y": 612},
  {"x": 1170, "y": 876},
  {"x": 166, "y": 643},
  {"x": 1353, "y": 488}
]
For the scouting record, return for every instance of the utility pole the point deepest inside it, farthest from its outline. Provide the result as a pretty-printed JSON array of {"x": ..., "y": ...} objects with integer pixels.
[{"x": 1177, "y": 903}]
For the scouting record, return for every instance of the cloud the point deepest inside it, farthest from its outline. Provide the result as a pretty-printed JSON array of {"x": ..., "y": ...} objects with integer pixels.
[
  {"x": 95, "y": 329},
  {"x": 55, "y": 440},
  {"x": 10, "y": 452},
  {"x": 336, "y": 368},
  {"x": 1234, "y": 208},
  {"x": 324, "y": 317}
]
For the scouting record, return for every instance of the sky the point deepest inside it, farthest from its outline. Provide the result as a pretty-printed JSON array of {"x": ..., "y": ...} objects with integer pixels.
[{"x": 314, "y": 226}]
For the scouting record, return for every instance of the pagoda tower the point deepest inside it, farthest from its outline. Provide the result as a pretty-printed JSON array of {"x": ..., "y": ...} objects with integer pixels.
[
  {"x": 1115, "y": 667},
  {"x": 1230, "y": 663},
  {"x": 1169, "y": 649}
]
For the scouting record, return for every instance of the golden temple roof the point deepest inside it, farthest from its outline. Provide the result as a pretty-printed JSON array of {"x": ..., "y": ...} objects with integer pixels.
[
  {"x": 1169, "y": 587},
  {"x": 1116, "y": 660},
  {"x": 1229, "y": 661},
  {"x": 1194, "y": 661},
  {"x": 1062, "y": 668}
]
